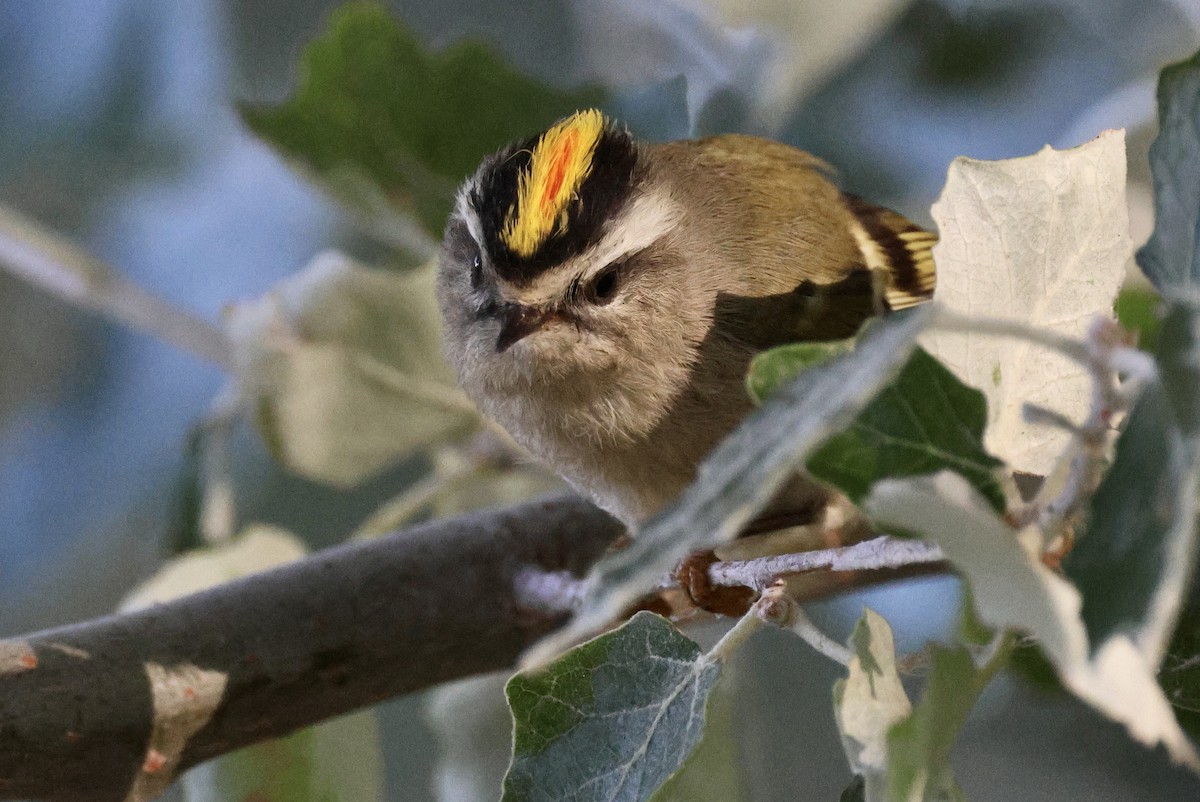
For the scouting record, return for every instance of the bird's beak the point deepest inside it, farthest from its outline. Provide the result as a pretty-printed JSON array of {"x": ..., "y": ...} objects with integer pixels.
[{"x": 518, "y": 322}]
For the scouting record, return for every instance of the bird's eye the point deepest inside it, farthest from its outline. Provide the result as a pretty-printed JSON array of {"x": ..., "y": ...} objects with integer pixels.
[
  {"x": 604, "y": 286},
  {"x": 476, "y": 271}
]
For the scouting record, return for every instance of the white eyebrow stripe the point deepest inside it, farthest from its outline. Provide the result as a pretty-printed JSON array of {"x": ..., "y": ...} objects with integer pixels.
[
  {"x": 646, "y": 220},
  {"x": 649, "y": 218},
  {"x": 463, "y": 208}
]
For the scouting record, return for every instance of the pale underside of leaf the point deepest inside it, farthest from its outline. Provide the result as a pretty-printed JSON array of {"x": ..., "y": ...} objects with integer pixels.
[
  {"x": 869, "y": 702},
  {"x": 259, "y": 547},
  {"x": 1013, "y": 589},
  {"x": 1044, "y": 240},
  {"x": 341, "y": 366}
]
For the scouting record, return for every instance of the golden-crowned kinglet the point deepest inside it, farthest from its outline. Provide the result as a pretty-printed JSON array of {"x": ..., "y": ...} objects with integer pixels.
[{"x": 603, "y": 297}]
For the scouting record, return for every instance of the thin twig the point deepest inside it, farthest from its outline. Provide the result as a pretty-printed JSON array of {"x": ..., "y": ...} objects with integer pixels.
[
  {"x": 879, "y": 553},
  {"x": 994, "y": 651},
  {"x": 1106, "y": 355},
  {"x": 62, "y": 269},
  {"x": 430, "y": 391},
  {"x": 777, "y": 607}
]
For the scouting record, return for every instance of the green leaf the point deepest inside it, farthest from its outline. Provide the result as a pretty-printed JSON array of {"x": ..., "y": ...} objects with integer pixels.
[
  {"x": 742, "y": 474},
  {"x": 1178, "y": 355},
  {"x": 714, "y": 770},
  {"x": 393, "y": 128},
  {"x": 1137, "y": 310},
  {"x": 612, "y": 719},
  {"x": 1013, "y": 589},
  {"x": 342, "y": 366},
  {"x": 1140, "y": 540},
  {"x": 338, "y": 761},
  {"x": 1120, "y": 561},
  {"x": 922, "y": 422},
  {"x": 774, "y": 368},
  {"x": 919, "y": 747},
  {"x": 869, "y": 702},
  {"x": 1179, "y": 674},
  {"x": 856, "y": 791},
  {"x": 1171, "y": 258}
]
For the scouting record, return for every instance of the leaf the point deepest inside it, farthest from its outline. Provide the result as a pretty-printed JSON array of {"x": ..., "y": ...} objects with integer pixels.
[
  {"x": 1043, "y": 240},
  {"x": 1137, "y": 310},
  {"x": 391, "y": 128},
  {"x": 919, "y": 747},
  {"x": 258, "y": 547},
  {"x": 1140, "y": 521},
  {"x": 869, "y": 702},
  {"x": 922, "y": 422},
  {"x": 474, "y": 737},
  {"x": 714, "y": 769},
  {"x": 337, "y": 761},
  {"x": 1171, "y": 258},
  {"x": 1179, "y": 674},
  {"x": 778, "y": 366},
  {"x": 743, "y": 473},
  {"x": 1136, "y": 564},
  {"x": 1178, "y": 356},
  {"x": 342, "y": 367},
  {"x": 1013, "y": 589},
  {"x": 856, "y": 791},
  {"x": 612, "y": 719}
]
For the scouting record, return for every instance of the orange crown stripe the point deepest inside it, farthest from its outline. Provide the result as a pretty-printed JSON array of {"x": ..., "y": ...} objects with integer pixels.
[{"x": 560, "y": 162}]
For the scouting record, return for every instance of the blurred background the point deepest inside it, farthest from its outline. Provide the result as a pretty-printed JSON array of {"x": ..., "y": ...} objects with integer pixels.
[{"x": 119, "y": 131}]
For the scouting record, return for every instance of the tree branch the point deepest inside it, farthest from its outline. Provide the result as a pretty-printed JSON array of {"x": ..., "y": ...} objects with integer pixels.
[{"x": 112, "y": 709}]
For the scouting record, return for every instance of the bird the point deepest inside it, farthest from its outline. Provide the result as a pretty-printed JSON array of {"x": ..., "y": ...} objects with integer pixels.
[{"x": 602, "y": 297}]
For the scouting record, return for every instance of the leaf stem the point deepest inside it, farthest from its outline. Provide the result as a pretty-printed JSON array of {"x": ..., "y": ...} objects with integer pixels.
[
  {"x": 815, "y": 637},
  {"x": 738, "y": 634}
]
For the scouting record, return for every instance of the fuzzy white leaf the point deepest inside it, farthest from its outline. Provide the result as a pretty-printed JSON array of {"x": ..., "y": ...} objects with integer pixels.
[
  {"x": 257, "y": 548},
  {"x": 870, "y": 701},
  {"x": 1042, "y": 239},
  {"x": 342, "y": 366},
  {"x": 1012, "y": 588}
]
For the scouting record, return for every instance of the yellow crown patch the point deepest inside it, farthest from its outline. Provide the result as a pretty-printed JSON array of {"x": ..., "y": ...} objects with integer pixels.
[{"x": 560, "y": 162}]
